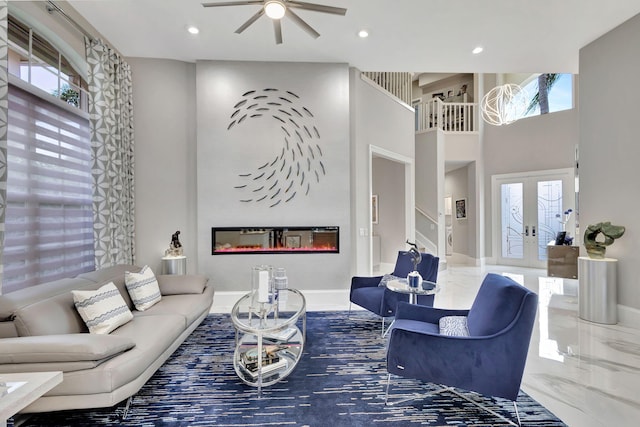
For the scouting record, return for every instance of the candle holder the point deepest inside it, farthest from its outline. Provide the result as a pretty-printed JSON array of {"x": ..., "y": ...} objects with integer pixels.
[{"x": 262, "y": 290}]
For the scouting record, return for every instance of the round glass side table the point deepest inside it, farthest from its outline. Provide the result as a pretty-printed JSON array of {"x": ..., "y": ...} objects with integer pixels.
[
  {"x": 402, "y": 286},
  {"x": 269, "y": 342}
]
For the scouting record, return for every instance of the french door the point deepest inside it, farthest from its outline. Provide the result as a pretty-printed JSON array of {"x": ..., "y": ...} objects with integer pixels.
[{"x": 529, "y": 211}]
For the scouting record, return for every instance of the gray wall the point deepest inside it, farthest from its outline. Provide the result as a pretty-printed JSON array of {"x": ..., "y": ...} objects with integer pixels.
[
  {"x": 165, "y": 150},
  {"x": 225, "y": 152},
  {"x": 609, "y": 148},
  {"x": 388, "y": 184},
  {"x": 166, "y": 173},
  {"x": 377, "y": 120},
  {"x": 531, "y": 144}
]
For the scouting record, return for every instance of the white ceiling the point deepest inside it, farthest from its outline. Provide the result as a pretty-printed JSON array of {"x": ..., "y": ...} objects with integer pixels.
[{"x": 405, "y": 35}]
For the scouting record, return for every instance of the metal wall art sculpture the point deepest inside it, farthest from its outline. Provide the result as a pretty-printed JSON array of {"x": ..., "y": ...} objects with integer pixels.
[{"x": 298, "y": 165}]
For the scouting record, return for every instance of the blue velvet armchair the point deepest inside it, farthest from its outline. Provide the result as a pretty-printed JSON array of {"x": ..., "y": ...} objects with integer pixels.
[
  {"x": 489, "y": 361},
  {"x": 366, "y": 292}
]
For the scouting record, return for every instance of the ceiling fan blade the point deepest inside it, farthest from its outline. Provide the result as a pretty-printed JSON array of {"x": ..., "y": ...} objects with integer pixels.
[
  {"x": 277, "y": 27},
  {"x": 295, "y": 18},
  {"x": 232, "y": 3},
  {"x": 250, "y": 21},
  {"x": 317, "y": 7}
]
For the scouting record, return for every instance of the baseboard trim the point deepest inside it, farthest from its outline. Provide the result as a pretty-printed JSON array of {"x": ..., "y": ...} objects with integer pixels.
[
  {"x": 317, "y": 300},
  {"x": 628, "y": 316}
]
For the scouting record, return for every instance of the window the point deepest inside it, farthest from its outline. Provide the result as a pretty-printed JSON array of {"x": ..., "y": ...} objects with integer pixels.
[
  {"x": 36, "y": 61},
  {"x": 559, "y": 93},
  {"x": 49, "y": 213}
]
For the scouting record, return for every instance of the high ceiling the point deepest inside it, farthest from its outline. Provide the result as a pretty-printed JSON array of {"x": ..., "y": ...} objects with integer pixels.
[{"x": 405, "y": 35}]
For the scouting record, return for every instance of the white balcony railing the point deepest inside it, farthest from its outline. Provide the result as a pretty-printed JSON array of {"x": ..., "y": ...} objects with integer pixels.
[
  {"x": 448, "y": 116},
  {"x": 396, "y": 83}
]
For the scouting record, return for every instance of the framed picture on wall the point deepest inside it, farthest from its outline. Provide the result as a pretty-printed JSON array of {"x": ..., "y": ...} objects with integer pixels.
[
  {"x": 374, "y": 209},
  {"x": 461, "y": 209}
]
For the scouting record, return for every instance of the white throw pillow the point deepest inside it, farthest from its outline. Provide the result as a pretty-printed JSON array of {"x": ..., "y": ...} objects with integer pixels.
[
  {"x": 102, "y": 310},
  {"x": 454, "y": 326},
  {"x": 143, "y": 288},
  {"x": 388, "y": 278}
]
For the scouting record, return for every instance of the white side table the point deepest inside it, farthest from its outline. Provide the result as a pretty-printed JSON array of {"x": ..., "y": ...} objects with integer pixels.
[
  {"x": 19, "y": 390},
  {"x": 174, "y": 264}
]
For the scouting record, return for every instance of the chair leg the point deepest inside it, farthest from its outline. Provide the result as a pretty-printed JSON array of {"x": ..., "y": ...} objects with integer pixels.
[
  {"x": 413, "y": 397},
  {"x": 515, "y": 406},
  {"x": 453, "y": 391},
  {"x": 385, "y": 331},
  {"x": 484, "y": 408}
]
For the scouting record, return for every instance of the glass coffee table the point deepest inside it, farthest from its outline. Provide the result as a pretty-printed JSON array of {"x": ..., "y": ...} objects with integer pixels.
[
  {"x": 270, "y": 330},
  {"x": 402, "y": 286}
]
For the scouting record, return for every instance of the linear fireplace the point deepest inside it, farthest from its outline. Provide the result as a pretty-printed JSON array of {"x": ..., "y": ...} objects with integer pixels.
[{"x": 274, "y": 240}]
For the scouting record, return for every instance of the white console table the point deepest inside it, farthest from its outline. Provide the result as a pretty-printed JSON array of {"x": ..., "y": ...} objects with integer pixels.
[{"x": 17, "y": 391}]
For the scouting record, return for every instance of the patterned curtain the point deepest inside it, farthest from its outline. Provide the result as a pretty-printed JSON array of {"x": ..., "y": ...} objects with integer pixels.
[
  {"x": 111, "y": 121},
  {"x": 4, "y": 113}
]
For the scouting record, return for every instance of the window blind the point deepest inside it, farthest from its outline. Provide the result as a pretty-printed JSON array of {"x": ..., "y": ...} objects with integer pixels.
[{"x": 49, "y": 219}]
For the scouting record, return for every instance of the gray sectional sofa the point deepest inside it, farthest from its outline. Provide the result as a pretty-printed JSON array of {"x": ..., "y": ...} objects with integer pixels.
[{"x": 41, "y": 330}]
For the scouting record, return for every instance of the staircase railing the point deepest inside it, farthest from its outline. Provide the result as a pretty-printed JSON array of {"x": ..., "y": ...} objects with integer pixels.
[
  {"x": 447, "y": 116},
  {"x": 397, "y": 84},
  {"x": 426, "y": 231}
]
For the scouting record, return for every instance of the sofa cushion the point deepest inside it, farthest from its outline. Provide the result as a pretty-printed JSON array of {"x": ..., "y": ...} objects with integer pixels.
[
  {"x": 62, "y": 348},
  {"x": 102, "y": 310},
  {"x": 51, "y": 316},
  {"x": 178, "y": 285},
  {"x": 153, "y": 335},
  {"x": 13, "y": 301},
  {"x": 79, "y": 365},
  {"x": 143, "y": 288},
  {"x": 189, "y": 305}
]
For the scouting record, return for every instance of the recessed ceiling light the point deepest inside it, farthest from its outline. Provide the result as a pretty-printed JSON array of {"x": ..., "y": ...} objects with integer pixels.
[
  {"x": 193, "y": 30},
  {"x": 363, "y": 33},
  {"x": 477, "y": 50}
]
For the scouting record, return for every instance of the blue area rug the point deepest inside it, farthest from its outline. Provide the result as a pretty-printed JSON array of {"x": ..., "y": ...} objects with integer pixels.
[{"x": 340, "y": 381}]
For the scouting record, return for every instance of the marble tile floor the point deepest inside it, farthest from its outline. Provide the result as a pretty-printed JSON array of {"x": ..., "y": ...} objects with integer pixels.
[{"x": 586, "y": 373}]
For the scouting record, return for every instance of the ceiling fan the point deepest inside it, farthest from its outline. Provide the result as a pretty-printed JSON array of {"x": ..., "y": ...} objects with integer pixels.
[{"x": 277, "y": 9}]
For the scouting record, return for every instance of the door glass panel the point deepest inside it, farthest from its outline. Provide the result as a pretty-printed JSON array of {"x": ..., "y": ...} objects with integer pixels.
[
  {"x": 512, "y": 224},
  {"x": 549, "y": 214}
]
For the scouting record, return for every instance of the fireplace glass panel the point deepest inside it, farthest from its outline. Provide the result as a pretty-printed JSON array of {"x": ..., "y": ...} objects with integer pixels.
[{"x": 253, "y": 240}]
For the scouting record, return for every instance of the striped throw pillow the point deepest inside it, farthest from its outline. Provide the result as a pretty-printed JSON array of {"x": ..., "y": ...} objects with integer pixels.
[
  {"x": 102, "y": 310},
  {"x": 143, "y": 288}
]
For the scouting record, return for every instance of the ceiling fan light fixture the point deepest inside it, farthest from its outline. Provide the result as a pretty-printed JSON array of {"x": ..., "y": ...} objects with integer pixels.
[{"x": 274, "y": 9}]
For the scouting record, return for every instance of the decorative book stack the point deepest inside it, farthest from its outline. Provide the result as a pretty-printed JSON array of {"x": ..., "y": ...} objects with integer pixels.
[{"x": 271, "y": 360}]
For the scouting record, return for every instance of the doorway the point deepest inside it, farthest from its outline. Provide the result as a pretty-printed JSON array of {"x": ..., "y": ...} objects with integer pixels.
[
  {"x": 529, "y": 212},
  {"x": 392, "y": 174}
]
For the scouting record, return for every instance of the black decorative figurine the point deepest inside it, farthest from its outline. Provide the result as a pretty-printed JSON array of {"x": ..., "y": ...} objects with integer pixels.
[{"x": 175, "y": 247}]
